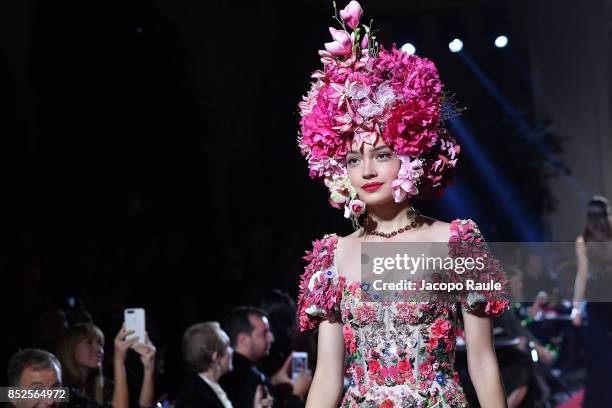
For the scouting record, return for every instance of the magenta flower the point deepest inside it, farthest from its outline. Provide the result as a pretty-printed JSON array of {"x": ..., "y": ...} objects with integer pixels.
[
  {"x": 342, "y": 45},
  {"x": 351, "y": 14}
]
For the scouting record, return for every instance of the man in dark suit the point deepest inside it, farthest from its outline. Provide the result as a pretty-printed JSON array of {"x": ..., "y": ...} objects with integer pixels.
[{"x": 251, "y": 338}]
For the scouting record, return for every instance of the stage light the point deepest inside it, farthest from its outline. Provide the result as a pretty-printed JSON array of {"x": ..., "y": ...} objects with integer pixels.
[
  {"x": 408, "y": 48},
  {"x": 456, "y": 45},
  {"x": 501, "y": 41}
]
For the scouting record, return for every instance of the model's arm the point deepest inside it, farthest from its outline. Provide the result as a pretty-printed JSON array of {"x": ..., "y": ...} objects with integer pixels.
[
  {"x": 482, "y": 362},
  {"x": 581, "y": 279},
  {"x": 326, "y": 388}
]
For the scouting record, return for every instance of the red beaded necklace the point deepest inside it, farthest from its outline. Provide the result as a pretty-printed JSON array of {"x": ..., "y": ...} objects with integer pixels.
[{"x": 412, "y": 224}]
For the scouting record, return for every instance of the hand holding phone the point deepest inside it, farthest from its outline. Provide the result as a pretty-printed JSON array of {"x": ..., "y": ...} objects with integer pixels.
[
  {"x": 299, "y": 363},
  {"x": 134, "y": 320}
]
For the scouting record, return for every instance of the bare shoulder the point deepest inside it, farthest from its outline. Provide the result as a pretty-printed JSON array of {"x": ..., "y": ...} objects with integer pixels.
[
  {"x": 348, "y": 240},
  {"x": 435, "y": 230},
  {"x": 348, "y": 254},
  {"x": 580, "y": 238}
]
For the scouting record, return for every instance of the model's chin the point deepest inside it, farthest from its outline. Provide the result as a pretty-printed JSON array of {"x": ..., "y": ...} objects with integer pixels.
[{"x": 376, "y": 198}]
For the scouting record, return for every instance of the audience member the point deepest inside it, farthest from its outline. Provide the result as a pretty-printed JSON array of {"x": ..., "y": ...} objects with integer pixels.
[
  {"x": 208, "y": 356},
  {"x": 250, "y": 336},
  {"x": 81, "y": 352},
  {"x": 34, "y": 369}
]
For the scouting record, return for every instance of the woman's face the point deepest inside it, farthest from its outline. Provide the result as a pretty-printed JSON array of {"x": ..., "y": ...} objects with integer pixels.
[
  {"x": 225, "y": 360},
  {"x": 371, "y": 171},
  {"x": 89, "y": 352}
]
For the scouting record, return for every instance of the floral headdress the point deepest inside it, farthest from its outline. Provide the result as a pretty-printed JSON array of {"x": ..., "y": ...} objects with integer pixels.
[{"x": 364, "y": 93}]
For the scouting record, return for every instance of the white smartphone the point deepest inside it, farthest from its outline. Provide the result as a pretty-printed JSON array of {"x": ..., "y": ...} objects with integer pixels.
[
  {"x": 134, "y": 319},
  {"x": 299, "y": 363}
]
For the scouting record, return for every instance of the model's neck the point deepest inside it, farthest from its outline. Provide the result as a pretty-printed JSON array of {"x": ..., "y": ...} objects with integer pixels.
[{"x": 391, "y": 217}]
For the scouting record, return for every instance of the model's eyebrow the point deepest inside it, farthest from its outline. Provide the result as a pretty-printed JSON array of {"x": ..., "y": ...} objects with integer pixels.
[{"x": 381, "y": 147}]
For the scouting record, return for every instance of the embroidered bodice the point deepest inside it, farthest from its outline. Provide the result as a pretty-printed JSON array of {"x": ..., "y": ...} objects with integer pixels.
[{"x": 398, "y": 353}]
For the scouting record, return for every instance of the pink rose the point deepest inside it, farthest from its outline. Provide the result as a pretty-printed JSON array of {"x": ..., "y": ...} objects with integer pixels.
[
  {"x": 440, "y": 327},
  {"x": 351, "y": 14},
  {"x": 357, "y": 207}
]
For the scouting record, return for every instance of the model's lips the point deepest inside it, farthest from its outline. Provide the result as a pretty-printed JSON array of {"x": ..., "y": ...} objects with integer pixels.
[{"x": 371, "y": 187}]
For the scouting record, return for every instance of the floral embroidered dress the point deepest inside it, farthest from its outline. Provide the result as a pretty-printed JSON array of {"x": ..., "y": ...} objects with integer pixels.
[{"x": 399, "y": 354}]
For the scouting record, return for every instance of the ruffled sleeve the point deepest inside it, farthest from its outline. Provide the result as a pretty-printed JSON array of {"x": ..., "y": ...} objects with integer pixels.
[
  {"x": 319, "y": 287},
  {"x": 466, "y": 240}
]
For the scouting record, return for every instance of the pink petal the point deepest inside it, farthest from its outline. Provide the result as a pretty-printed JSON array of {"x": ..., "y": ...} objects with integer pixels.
[
  {"x": 336, "y": 49},
  {"x": 364, "y": 41},
  {"x": 351, "y": 14},
  {"x": 342, "y": 37}
]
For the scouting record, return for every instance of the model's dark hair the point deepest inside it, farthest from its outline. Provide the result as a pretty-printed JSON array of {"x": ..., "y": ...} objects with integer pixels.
[{"x": 598, "y": 227}]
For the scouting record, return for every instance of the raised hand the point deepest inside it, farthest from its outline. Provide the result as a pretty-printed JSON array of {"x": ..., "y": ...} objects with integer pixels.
[
  {"x": 122, "y": 345},
  {"x": 147, "y": 353}
]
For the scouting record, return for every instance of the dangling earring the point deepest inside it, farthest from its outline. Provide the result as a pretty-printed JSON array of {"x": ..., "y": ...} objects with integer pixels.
[{"x": 355, "y": 221}]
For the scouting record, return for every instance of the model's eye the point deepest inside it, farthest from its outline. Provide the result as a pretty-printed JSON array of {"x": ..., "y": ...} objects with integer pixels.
[
  {"x": 384, "y": 155},
  {"x": 352, "y": 161}
]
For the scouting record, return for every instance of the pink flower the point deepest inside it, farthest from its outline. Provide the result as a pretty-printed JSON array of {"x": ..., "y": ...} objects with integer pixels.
[
  {"x": 393, "y": 372},
  {"x": 426, "y": 370},
  {"x": 405, "y": 184},
  {"x": 433, "y": 344},
  {"x": 357, "y": 207},
  {"x": 384, "y": 372},
  {"x": 349, "y": 339},
  {"x": 440, "y": 327},
  {"x": 342, "y": 44},
  {"x": 364, "y": 42},
  {"x": 365, "y": 313},
  {"x": 351, "y": 14},
  {"x": 359, "y": 373}
]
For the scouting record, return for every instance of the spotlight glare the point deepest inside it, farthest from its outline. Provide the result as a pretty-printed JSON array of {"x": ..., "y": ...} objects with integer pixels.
[
  {"x": 501, "y": 41},
  {"x": 408, "y": 48},
  {"x": 456, "y": 45}
]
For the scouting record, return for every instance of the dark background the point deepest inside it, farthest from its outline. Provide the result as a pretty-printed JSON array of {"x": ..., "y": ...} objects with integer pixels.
[{"x": 148, "y": 154}]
